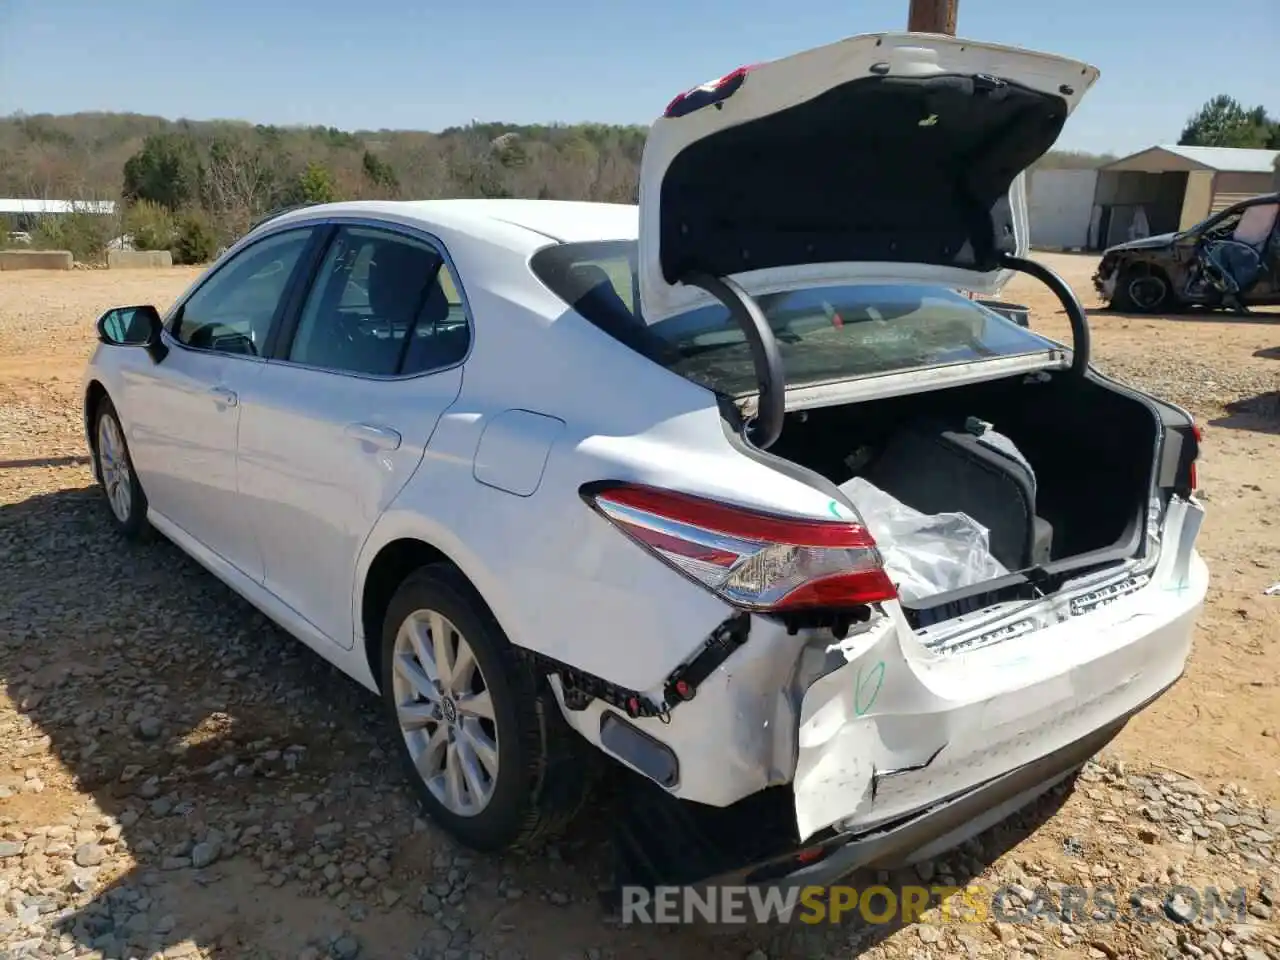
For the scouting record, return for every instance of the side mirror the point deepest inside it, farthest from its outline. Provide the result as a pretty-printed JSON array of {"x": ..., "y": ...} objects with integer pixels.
[{"x": 137, "y": 326}]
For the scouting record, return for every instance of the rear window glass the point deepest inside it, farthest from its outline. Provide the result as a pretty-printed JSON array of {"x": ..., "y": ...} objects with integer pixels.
[{"x": 824, "y": 333}]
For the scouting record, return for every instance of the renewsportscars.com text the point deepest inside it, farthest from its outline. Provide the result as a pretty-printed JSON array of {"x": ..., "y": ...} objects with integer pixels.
[{"x": 905, "y": 905}]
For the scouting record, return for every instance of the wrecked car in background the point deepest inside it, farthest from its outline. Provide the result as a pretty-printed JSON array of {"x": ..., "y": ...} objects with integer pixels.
[
  {"x": 732, "y": 488},
  {"x": 1231, "y": 259}
]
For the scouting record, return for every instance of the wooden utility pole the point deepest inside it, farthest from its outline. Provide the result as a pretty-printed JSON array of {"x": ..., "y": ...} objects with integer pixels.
[{"x": 933, "y": 16}]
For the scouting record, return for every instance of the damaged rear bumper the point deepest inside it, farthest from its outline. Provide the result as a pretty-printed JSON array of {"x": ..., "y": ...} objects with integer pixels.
[
  {"x": 937, "y": 828},
  {"x": 900, "y": 730},
  {"x": 897, "y": 728},
  {"x": 1001, "y": 756},
  {"x": 909, "y": 744}
]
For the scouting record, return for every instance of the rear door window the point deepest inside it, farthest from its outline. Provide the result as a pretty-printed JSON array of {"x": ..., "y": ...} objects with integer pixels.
[
  {"x": 382, "y": 304},
  {"x": 824, "y": 333}
]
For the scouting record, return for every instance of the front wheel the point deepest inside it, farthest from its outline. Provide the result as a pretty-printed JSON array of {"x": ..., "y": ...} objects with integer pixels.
[
  {"x": 115, "y": 471},
  {"x": 1143, "y": 291},
  {"x": 485, "y": 746}
]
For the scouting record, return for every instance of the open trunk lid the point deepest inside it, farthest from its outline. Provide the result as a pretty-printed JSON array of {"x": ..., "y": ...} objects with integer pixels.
[{"x": 884, "y": 158}]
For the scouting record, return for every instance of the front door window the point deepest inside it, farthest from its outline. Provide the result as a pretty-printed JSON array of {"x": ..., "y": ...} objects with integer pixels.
[{"x": 233, "y": 310}]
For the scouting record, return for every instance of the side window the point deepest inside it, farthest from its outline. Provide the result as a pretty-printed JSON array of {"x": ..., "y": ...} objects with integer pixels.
[
  {"x": 1256, "y": 224},
  {"x": 593, "y": 273},
  {"x": 442, "y": 335},
  {"x": 599, "y": 282},
  {"x": 1225, "y": 228},
  {"x": 379, "y": 307},
  {"x": 232, "y": 311}
]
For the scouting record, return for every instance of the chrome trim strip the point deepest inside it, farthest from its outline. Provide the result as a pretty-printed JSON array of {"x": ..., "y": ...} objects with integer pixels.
[{"x": 677, "y": 529}]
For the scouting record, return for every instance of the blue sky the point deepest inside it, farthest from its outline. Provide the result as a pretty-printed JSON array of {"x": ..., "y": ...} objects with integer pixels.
[{"x": 426, "y": 65}]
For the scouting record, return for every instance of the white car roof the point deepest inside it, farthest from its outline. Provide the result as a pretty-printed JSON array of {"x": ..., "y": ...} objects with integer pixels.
[{"x": 566, "y": 221}]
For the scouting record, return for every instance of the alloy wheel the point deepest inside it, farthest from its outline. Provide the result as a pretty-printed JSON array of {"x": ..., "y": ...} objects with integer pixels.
[
  {"x": 445, "y": 712},
  {"x": 114, "y": 467}
]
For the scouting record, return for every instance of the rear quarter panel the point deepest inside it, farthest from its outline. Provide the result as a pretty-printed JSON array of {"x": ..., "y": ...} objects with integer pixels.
[{"x": 559, "y": 578}]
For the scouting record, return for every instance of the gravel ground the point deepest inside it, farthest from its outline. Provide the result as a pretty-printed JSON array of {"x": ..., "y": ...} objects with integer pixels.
[{"x": 178, "y": 778}]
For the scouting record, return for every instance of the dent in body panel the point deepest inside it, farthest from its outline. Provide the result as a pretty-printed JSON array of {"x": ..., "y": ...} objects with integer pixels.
[
  {"x": 513, "y": 450},
  {"x": 900, "y": 727}
]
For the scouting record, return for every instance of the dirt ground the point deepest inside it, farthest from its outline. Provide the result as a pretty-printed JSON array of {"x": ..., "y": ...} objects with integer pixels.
[{"x": 180, "y": 779}]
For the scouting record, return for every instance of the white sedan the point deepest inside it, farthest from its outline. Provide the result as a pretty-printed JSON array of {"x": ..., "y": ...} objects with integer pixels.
[{"x": 731, "y": 487}]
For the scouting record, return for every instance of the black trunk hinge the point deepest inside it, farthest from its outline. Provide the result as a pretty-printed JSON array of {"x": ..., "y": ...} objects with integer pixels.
[{"x": 580, "y": 687}]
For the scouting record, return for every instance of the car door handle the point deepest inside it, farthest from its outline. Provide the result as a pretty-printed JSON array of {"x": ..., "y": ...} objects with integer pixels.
[
  {"x": 224, "y": 396},
  {"x": 383, "y": 438}
]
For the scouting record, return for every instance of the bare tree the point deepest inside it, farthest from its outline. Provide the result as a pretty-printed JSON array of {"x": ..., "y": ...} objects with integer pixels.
[
  {"x": 618, "y": 180},
  {"x": 419, "y": 163},
  {"x": 238, "y": 185}
]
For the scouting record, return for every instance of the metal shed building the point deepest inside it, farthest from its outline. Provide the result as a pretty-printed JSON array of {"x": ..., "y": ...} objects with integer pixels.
[
  {"x": 1060, "y": 202},
  {"x": 43, "y": 207},
  {"x": 1174, "y": 187},
  {"x": 21, "y": 214}
]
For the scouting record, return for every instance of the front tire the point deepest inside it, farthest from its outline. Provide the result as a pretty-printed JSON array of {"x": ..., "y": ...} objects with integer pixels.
[
  {"x": 483, "y": 742},
  {"x": 125, "y": 499},
  {"x": 1143, "y": 291}
]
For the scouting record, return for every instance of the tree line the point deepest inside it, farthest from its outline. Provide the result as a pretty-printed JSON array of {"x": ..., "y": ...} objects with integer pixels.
[{"x": 192, "y": 187}]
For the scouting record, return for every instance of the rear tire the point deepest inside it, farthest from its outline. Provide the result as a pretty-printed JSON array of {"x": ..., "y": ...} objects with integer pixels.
[
  {"x": 481, "y": 737},
  {"x": 1142, "y": 290},
  {"x": 126, "y": 501}
]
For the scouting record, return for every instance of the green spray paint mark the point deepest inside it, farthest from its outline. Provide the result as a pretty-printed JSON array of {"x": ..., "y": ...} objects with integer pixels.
[{"x": 868, "y": 688}]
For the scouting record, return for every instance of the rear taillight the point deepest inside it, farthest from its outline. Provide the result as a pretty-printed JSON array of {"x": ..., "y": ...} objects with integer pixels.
[{"x": 753, "y": 560}]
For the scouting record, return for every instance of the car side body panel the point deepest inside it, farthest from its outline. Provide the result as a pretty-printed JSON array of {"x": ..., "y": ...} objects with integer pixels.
[
  {"x": 184, "y": 423},
  {"x": 513, "y": 451},
  {"x": 644, "y": 424},
  {"x": 312, "y": 484}
]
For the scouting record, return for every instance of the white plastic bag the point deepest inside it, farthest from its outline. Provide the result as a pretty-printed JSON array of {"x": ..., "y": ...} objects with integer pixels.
[{"x": 924, "y": 555}]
